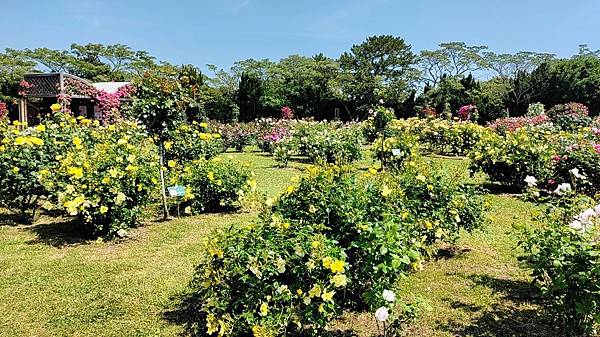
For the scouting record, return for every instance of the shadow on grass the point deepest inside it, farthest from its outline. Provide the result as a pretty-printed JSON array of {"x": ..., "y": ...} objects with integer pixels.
[
  {"x": 13, "y": 220},
  {"x": 495, "y": 188},
  {"x": 516, "y": 314},
  {"x": 450, "y": 252},
  {"x": 59, "y": 234}
]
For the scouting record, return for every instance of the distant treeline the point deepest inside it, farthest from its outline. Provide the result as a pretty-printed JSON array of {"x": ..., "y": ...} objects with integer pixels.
[{"x": 383, "y": 70}]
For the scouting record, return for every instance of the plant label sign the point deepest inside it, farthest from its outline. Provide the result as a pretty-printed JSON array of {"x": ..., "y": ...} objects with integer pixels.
[
  {"x": 176, "y": 191},
  {"x": 396, "y": 152}
]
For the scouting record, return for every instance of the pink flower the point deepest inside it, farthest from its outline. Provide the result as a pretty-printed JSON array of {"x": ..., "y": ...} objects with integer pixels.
[{"x": 597, "y": 148}]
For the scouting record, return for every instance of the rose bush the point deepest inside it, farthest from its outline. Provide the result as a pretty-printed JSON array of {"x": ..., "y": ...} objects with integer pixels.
[
  {"x": 105, "y": 179},
  {"x": 27, "y": 152},
  {"x": 212, "y": 185}
]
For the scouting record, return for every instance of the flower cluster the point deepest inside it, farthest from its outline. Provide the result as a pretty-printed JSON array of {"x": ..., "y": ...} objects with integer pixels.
[
  {"x": 504, "y": 125},
  {"x": 287, "y": 113},
  {"x": 467, "y": 112}
]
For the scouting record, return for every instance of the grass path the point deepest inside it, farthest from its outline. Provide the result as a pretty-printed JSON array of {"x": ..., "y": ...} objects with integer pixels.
[{"x": 53, "y": 284}]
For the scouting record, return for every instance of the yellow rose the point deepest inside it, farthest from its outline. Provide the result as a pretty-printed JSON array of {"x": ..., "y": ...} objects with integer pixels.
[{"x": 55, "y": 107}]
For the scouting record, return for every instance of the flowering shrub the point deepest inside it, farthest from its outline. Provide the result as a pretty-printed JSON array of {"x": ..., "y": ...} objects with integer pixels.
[
  {"x": 535, "y": 109},
  {"x": 270, "y": 277},
  {"x": 237, "y": 135},
  {"x": 468, "y": 112},
  {"x": 384, "y": 222},
  {"x": 213, "y": 184},
  {"x": 320, "y": 142},
  {"x": 577, "y": 161},
  {"x": 106, "y": 179},
  {"x": 440, "y": 136},
  {"x": 287, "y": 113},
  {"x": 569, "y": 116},
  {"x": 504, "y": 125},
  {"x": 27, "y": 152},
  {"x": 563, "y": 251},
  {"x": 509, "y": 159},
  {"x": 193, "y": 141},
  {"x": 3, "y": 111},
  {"x": 396, "y": 151}
]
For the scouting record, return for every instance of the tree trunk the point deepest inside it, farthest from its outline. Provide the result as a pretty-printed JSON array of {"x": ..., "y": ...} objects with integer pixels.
[{"x": 163, "y": 187}]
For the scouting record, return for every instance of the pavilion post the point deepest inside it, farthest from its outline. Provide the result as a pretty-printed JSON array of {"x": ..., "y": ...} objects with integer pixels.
[{"x": 22, "y": 110}]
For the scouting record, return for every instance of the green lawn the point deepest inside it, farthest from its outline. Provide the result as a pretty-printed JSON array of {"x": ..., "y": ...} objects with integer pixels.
[{"x": 53, "y": 283}]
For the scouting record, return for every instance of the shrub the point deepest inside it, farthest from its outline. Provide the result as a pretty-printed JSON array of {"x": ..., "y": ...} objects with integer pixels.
[
  {"x": 510, "y": 158},
  {"x": 193, "y": 141},
  {"x": 569, "y": 116},
  {"x": 237, "y": 135},
  {"x": 396, "y": 151},
  {"x": 321, "y": 143},
  {"x": 511, "y": 124},
  {"x": 563, "y": 252},
  {"x": 25, "y": 152},
  {"x": 535, "y": 109},
  {"x": 268, "y": 278},
  {"x": 577, "y": 161},
  {"x": 213, "y": 185},
  {"x": 440, "y": 136},
  {"x": 384, "y": 222},
  {"x": 107, "y": 179}
]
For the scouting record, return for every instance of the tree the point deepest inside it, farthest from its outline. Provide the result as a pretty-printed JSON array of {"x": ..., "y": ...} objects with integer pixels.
[
  {"x": 12, "y": 68},
  {"x": 305, "y": 84},
  {"x": 514, "y": 70},
  {"x": 380, "y": 64},
  {"x": 93, "y": 61},
  {"x": 454, "y": 59},
  {"x": 163, "y": 96},
  {"x": 567, "y": 80},
  {"x": 249, "y": 95}
]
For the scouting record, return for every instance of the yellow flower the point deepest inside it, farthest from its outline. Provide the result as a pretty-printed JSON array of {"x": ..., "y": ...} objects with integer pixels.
[
  {"x": 76, "y": 172},
  {"x": 103, "y": 209},
  {"x": 252, "y": 184},
  {"x": 41, "y": 128},
  {"x": 76, "y": 141},
  {"x": 15, "y": 169},
  {"x": 291, "y": 188},
  {"x": 327, "y": 295},
  {"x": 210, "y": 175},
  {"x": 20, "y": 140},
  {"x": 327, "y": 261},
  {"x": 315, "y": 291},
  {"x": 120, "y": 198},
  {"x": 204, "y": 125},
  {"x": 264, "y": 309},
  {"x": 338, "y": 266},
  {"x": 299, "y": 292},
  {"x": 172, "y": 163},
  {"x": 168, "y": 145},
  {"x": 421, "y": 178},
  {"x": 55, "y": 107},
  {"x": 386, "y": 191},
  {"x": 36, "y": 141},
  {"x": 339, "y": 280}
]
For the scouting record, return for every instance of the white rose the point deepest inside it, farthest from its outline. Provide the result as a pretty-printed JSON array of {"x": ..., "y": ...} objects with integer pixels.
[
  {"x": 382, "y": 314},
  {"x": 389, "y": 296}
]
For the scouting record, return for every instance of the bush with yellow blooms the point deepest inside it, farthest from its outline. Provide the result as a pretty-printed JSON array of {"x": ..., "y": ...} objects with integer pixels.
[
  {"x": 106, "y": 179},
  {"x": 27, "y": 153},
  {"x": 271, "y": 277}
]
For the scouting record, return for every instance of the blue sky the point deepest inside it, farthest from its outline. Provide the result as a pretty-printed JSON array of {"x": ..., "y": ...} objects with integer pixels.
[{"x": 223, "y": 31}]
